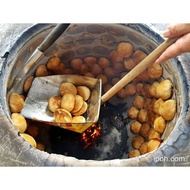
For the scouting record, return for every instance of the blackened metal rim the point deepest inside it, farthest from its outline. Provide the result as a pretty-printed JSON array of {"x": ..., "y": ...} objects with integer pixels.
[{"x": 21, "y": 153}]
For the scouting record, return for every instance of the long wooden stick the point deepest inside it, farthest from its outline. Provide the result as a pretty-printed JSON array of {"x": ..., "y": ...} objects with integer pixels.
[{"x": 144, "y": 64}]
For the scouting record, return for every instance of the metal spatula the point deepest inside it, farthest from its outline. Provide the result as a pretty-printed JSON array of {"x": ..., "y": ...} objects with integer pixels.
[{"x": 44, "y": 87}]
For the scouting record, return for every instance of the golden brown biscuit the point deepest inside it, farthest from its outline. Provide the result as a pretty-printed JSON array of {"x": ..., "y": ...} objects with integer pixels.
[
  {"x": 125, "y": 49},
  {"x": 153, "y": 89},
  {"x": 82, "y": 110},
  {"x": 19, "y": 122},
  {"x": 115, "y": 56},
  {"x": 60, "y": 70},
  {"x": 118, "y": 67},
  {"x": 130, "y": 89},
  {"x": 164, "y": 89},
  {"x": 138, "y": 56},
  {"x": 155, "y": 71},
  {"x": 16, "y": 103},
  {"x": 28, "y": 83},
  {"x": 144, "y": 129},
  {"x": 134, "y": 153},
  {"x": 68, "y": 102},
  {"x": 89, "y": 74},
  {"x": 154, "y": 136},
  {"x": 54, "y": 103},
  {"x": 104, "y": 62},
  {"x": 83, "y": 69},
  {"x": 109, "y": 72},
  {"x": 84, "y": 92},
  {"x": 76, "y": 63},
  {"x": 143, "y": 76},
  {"x": 78, "y": 119},
  {"x": 135, "y": 127},
  {"x": 29, "y": 139},
  {"x": 53, "y": 63},
  {"x": 145, "y": 91},
  {"x": 159, "y": 124},
  {"x": 152, "y": 102},
  {"x": 138, "y": 102},
  {"x": 142, "y": 115},
  {"x": 90, "y": 60},
  {"x": 68, "y": 87},
  {"x": 150, "y": 131},
  {"x": 96, "y": 69},
  {"x": 62, "y": 116},
  {"x": 41, "y": 71},
  {"x": 168, "y": 109},
  {"x": 147, "y": 104},
  {"x": 137, "y": 141},
  {"x": 139, "y": 87},
  {"x": 78, "y": 103},
  {"x": 157, "y": 105},
  {"x": 133, "y": 112},
  {"x": 153, "y": 145},
  {"x": 151, "y": 116},
  {"x": 129, "y": 63},
  {"x": 143, "y": 149}
]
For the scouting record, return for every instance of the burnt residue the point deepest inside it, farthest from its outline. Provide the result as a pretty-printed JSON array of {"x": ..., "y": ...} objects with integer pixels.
[{"x": 111, "y": 143}]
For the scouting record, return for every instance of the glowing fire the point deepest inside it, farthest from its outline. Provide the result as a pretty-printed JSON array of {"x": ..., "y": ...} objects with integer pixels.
[{"x": 91, "y": 135}]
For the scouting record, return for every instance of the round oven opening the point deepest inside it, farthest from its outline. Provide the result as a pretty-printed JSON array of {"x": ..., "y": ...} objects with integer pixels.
[{"x": 130, "y": 124}]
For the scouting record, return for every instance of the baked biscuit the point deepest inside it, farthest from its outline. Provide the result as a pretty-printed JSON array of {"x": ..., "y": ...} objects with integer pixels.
[
  {"x": 125, "y": 49},
  {"x": 28, "y": 83},
  {"x": 134, "y": 153},
  {"x": 164, "y": 89},
  {"x": 143, "y": 148},
  {"x": 168, "y": 109},
  {"x": 135, "y": 127},
  {"x": 137, "y": 141},
  {"x": 19, "y": 122},
  {"x": 159, "y": 125},
  {"x": 138, "y": 102},
  {"x": 29, "y": 139},
  {"x": 82, "y": 110},
  {"x": 54, "y": 103},
  {"x": 68, "y": 87},
  {"x": 68, "y": 102},
  {"x": 152, "y": 145},
  {"x": 16, "y": 103},
  {"x": 62, "y": 116},
  {"x": 153, "y": 90},
  {"x": 78, "y": 119},
  {"x": 133, "y": 112},
  {"x": 78, "y": 104},
  {"x": 84, "y": 92}
]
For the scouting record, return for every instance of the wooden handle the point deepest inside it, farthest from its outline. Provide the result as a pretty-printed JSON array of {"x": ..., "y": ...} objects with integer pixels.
[{"x": 144, "y": 64}]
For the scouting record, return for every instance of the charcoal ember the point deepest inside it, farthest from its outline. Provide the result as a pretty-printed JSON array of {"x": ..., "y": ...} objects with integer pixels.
[{"x": 111, "y": 143}]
